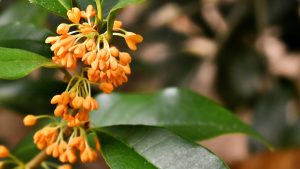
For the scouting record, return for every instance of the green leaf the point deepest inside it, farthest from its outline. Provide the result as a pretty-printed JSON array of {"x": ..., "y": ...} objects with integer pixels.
[
  {"x": 23, "y": 11},
  {"x": 25, "y": 36},
  {"x": 118, "y": 155},
  {"x": 182, "y": 111},
  {"x": 18, "y": 95},
  {"x": 91, "y": 138},
  {"x": 135, "y": 147},
  {"x": 16, "y": 63},
  {"x": 115, "y": 6},
  {"x": 59, "y": 7}
]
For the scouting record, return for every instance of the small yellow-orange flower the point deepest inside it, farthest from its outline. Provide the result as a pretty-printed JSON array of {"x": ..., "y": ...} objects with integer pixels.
[
  {"x": 74, "y": 15},
  {"x": 88, "y": 155},
  {"x": 101, "y": 63},
  {"x": 30, "y": 120},
  {"x": 66, "y": 166},
  {"x": 4, "y": 152},
  {"x": 62, "y": 29},
  {"x": 106, "y": 87},
  {"x": 117, "y": 25},
  {"x": 45, "y": 137},
  {"x": 132, "y": 39}
]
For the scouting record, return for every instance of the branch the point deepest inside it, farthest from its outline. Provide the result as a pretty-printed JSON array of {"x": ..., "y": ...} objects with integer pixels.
[{"x": 37, "y": 160}]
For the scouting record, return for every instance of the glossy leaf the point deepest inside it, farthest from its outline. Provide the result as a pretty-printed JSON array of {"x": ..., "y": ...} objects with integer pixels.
[
  {"x": 59, "y": 7},
  {"x": 184, "y": 112},
  {"x": 16, "y": 63},
  {"x": 18, "y": 95},
  {"x": 18, "y": 34},
  {"x": 118, "y": 155},
  {"x": 135, "y": 147},
  {"x": 115, "y": 6},
  {"x": 23, "y": 11}
]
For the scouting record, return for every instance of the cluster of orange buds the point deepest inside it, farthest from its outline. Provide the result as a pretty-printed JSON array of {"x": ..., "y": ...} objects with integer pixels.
[
  {"x": 52, "y": 139},
  {"x": 82, "y": 45},
  {"x": 75, "y": 103},
  {"x": 73, "y": 106},
  {"x": 106, "y": 64}
]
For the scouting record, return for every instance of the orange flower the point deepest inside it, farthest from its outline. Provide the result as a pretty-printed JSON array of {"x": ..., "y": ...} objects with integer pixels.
[
  {"x": 114, "y": 51},
  {"x": 62, "y": 29},
  {"x": 66, "y": 166},
  {"x": 93, "y": 75},
  {"x": 77, "y": 102},
  {"x": 132, "y": 39},
  {"x": 125, "y": 58},
  {"x": 30, "y": 120},
  {"x": 117, "y": 25},
  {"x": 90, "y": 44},
  {"x": 82, "y": 115},
  {"x": 70, "y": 156},
  {"x": 85, "y": 28},
  {"x": 90, "y": 11},
  {"x": 88, "y": 155},
  {"x": 4, "y": 152},
  {"x": 74, "y": 15},
  {"x": 78, "y": 143},
  {"x": 102, "y": 64},
  {"x": 90, "y": 103},
  {"x": 45, "y": 137},
  {"x": 106, "y": 87}
]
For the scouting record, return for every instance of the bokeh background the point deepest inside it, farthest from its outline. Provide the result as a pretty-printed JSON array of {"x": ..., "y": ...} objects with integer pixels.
[{"x": 244, "y": 54}]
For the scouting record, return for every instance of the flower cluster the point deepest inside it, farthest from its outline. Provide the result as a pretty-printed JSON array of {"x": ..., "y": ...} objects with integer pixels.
[
  {"x": 82, "y": 45},
  {"x": 105, "y": 64},
  {"x": 75, "y": 103},
  {"x": 52, "y": 138}
]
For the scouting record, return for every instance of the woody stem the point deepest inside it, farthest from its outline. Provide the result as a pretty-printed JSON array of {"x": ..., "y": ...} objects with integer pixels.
[{"x": 37, "y": 160}]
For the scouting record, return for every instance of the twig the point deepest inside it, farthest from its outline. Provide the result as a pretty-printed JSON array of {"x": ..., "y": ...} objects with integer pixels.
[{"x": 37, "y": 160}]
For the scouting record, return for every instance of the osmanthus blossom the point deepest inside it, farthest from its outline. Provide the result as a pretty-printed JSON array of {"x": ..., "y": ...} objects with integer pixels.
[{"x": 81, "y": 46}]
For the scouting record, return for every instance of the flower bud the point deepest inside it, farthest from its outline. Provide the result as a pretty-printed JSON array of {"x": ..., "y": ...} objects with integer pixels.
[
  {"x": 117, "y": 25},
  {"x": 114, "y": 51},
  {"x": 74, "y": 15},
  {"x": 125, "y": 58},
  {"x": 90, "y": 11},
  {"x": 30, "y": 120},
  {"x": 56, "y": 99},
  {"x": 63, "y": 29},
  {"x": 4, "y": 152},
  {"x": 106, "y": 87},
  {"x": 66, "y": 166}
]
